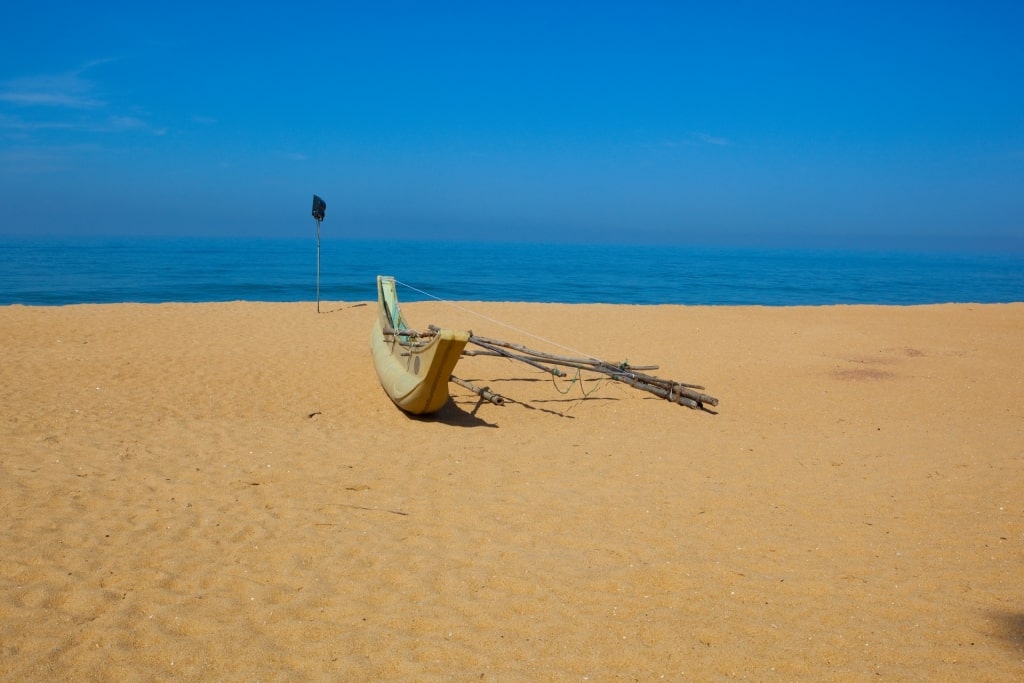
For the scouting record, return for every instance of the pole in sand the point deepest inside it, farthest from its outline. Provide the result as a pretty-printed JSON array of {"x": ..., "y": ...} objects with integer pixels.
[{"x": 319, "y": 207}]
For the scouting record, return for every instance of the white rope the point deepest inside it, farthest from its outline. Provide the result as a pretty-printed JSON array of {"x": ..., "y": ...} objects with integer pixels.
[{"x": 498, "y": 322}]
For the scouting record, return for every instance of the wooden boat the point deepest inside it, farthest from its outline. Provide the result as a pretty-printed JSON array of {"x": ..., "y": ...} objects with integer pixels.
[{"x": 414, "y": 368}]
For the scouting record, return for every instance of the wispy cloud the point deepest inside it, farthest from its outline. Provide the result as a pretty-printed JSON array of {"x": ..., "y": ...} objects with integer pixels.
[
  {"x": 32, "y": 96},
  {"x": 111, "y": 124},
  {"x": 710, "y": 139},
  {"x": 126, "y": 123},
  {"x": 16, "y": 123},
  {"x": 697, "y": 139},
  {"x": 40, "y": 159},
  {"x": 70, "y": 90},
  {"x": 39, "y": 107}
]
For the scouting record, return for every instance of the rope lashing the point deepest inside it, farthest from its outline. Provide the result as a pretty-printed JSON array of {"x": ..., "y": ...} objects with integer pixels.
[{"x": 574, "y": 380}]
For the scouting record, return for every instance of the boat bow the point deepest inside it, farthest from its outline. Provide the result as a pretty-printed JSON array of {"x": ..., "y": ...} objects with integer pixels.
[{"x": 414, "y": 368}]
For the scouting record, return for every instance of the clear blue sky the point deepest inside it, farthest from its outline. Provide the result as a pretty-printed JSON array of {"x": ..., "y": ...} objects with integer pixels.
[{"x": 860, "y": 124}]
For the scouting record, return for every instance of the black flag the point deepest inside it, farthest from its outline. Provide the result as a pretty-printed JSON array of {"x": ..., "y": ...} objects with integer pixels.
[{"x": 319, "y": 207}]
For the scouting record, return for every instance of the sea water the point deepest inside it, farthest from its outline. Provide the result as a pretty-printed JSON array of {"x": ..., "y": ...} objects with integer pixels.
[{"x": 91, "y": 270}]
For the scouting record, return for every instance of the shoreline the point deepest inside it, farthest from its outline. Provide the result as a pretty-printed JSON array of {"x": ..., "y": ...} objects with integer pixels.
[
  {"x": 334, "y": 306},
  {"x": 223, "y": 490}
]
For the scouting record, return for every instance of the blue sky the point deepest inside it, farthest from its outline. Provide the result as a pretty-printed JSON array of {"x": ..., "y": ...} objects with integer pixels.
[{"x": 865, "y": 125}]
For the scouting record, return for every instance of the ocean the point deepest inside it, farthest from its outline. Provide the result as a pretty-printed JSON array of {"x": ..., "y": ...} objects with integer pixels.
[{"x": 54, "y": 272}]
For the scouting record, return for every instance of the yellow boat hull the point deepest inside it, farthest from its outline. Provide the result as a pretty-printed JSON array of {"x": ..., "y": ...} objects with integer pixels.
[{"x": 414, "y": 372}]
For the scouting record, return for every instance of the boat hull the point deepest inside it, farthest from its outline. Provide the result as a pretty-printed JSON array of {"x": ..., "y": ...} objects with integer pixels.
[{"x": 414, "y": 373}]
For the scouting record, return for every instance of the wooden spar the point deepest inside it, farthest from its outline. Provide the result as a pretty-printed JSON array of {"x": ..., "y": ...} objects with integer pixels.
[
  {"x": 483, "y": 392},
  {"x": 663, "y": 393},
  {"x": 432, "y": 332},
  {"x": 522, "y": 359},
  {"x": 677, "y": 392},
  {"x": 552, "y": 357}
]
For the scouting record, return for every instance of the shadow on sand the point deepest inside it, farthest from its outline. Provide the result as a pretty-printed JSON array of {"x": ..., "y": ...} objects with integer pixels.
[
  {"x": 462, "y": 411},
  {"x": 1010, "y": 628}
]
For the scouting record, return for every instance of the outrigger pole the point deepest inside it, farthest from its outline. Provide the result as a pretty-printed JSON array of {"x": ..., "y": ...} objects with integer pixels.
[
  {"x": 319, "y": 207},
  {"x": 689, "y": 395}
]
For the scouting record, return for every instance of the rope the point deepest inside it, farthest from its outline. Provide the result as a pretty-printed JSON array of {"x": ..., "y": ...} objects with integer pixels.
[
  {"x": 574, "y": 380},
  {"x": 497, "y": 322}
]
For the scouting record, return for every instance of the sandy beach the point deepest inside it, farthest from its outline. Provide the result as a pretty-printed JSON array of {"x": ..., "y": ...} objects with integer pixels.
[{"x": 223, "y": 492}]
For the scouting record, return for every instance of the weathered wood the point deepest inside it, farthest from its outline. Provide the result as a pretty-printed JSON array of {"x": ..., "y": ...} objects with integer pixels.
[
  {"x": 671, "y": 390},
  {"x": 497, "y": 351},
  {"x": 483, "y": 392},
  {"x": 554, "y": 357},
  {"x": 405, "y": 332},
  {"x": 677, "y": 392}
]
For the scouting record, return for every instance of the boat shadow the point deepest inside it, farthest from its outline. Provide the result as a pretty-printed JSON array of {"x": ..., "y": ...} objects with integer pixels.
[
  {"x": 573, "y": 397},
  {"x": 453, "y": 415},
  {"x": 463, "y": 411}
]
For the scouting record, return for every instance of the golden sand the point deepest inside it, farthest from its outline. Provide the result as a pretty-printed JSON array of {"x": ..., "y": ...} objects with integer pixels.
[{"x": 207, "y": 492}]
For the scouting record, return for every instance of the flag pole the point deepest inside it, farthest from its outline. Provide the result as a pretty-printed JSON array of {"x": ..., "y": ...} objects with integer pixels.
[
  {"x": 318, "y": 266},
  {"x": 319, "y": 207}
]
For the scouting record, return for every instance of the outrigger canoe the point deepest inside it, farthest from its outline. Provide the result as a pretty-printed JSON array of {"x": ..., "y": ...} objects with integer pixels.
[{"x": 414, "y": 368}]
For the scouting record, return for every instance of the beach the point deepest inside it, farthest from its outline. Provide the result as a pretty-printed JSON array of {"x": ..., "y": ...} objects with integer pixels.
[{"x": 223, "y": 491}]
